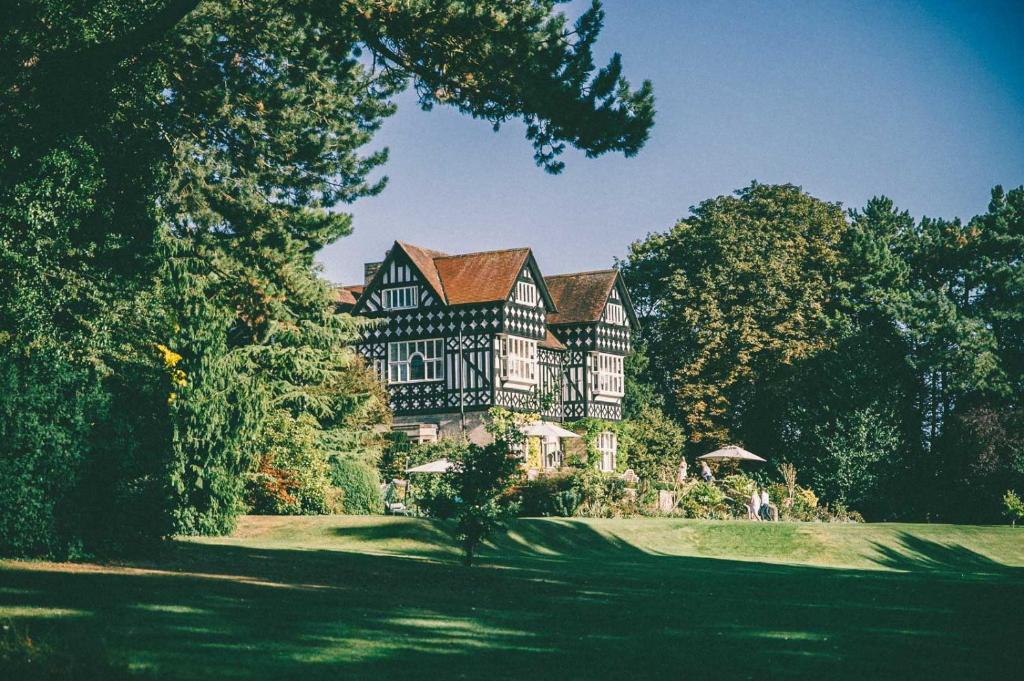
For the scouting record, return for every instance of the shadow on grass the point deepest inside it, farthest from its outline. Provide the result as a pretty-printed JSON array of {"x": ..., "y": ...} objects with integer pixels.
[
  {"x": 917, "y": 554},
  {"x": 427, "y": 538},
  {"x": 589, "y": 607}
]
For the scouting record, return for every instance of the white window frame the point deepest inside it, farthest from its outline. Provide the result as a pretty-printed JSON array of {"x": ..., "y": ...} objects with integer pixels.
[
  {"x": 552, "y": 456},
  {"x": 607, "y": 446},
  {"x": 401, "y": 298},
  {"x": 607, "y": 375},
  {"x": 400, "y": 358},
  {"x": 380, "y": 367},
  {"x": 517, "y": 360},
  {"x": 615, "y": 314},
  {"x": 527, "y": 294}
]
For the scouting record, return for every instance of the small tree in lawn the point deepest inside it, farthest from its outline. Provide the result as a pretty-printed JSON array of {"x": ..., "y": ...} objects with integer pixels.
[
  {"x": 482, "y": 476},
  {"x": 1014, "y": 507}
]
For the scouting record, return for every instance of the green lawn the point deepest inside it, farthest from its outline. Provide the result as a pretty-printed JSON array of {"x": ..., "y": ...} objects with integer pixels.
[{"x": 373, "y": 597}]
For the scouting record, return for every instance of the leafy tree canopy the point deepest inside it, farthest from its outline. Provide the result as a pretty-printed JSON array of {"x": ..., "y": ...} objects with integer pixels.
[
  {"x": 169, "y": 168},
  {"x": 734, "y": 293}
]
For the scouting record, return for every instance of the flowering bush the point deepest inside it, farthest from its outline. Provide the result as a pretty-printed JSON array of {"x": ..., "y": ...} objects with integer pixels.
[{"x": 292, "y": 475}]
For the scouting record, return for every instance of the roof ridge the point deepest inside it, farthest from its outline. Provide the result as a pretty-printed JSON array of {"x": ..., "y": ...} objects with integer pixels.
[
  {"x": 430, "y": 255},
  {"x": 609, "y": 270},
  {"x": 421, "y": 248},
  {"x": 499, "y": 250}
]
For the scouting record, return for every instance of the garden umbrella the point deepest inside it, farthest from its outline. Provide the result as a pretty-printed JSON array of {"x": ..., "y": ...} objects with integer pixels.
[
  {"x": 732, "y": 453},
  {"x": 439, "y": 466},
  {"x": 546, "y": 429}
]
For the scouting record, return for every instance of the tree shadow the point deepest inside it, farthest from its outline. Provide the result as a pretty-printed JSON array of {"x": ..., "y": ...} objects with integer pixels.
[
  {"x": 416, "y": 536},
  {"x": 919, "y": 554},
  {"x": 585, "y": 605}
]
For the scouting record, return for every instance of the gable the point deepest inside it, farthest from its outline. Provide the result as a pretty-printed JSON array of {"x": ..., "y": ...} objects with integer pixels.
[
  {"x": 424, "y": 260},
  {"x": 619, "y": 296},
  {"x": 530, "y": 274},
  {"x": 400, "y": 269}
]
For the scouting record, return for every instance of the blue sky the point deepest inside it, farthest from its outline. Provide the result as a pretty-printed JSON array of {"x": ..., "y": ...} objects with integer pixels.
[{"x": 923, "y": 102}]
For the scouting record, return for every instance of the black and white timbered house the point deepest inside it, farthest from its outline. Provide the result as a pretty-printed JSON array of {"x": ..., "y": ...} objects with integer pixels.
[{"x": 459, "y": 334}]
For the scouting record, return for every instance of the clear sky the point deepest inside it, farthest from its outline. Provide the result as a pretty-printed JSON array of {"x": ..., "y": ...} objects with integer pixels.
[{"x": 923, "y": 102}]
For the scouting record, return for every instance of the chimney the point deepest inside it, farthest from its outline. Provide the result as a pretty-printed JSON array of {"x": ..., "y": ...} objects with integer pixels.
[{"x": 370, "y": 269}]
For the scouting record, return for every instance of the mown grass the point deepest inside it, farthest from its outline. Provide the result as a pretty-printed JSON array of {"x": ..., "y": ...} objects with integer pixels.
[{"x": 372, "y": 597}]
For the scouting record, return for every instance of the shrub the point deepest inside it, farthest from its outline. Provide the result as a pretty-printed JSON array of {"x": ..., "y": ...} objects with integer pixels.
[
  {"x": 657, "y": 445},
  {"x": 435, "y": 496},
  {"x": 837, "y": 512},
  {"x": 359, "y": 486},
  {"x": 293, "y": 471},
  {"x": 81, "y": 460},
  {"x": 601, "y": 495},
  {"x": 1014, "y": 507},
  {"x": 703, "y": 500},
  {"x": 738, "y": 488},
  {"x": 548, "y": 494}
]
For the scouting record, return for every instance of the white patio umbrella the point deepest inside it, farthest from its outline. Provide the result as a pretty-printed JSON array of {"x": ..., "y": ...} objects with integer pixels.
[
  {"x": 732, "y": 452},
  {"x": 546, "y": 429},
  {"x": 439, "y": 466}
]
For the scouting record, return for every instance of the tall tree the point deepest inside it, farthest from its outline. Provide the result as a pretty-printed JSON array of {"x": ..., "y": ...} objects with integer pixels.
[
  {"x": 192, "y": 155},
  {"x": 733, "y": 296}
]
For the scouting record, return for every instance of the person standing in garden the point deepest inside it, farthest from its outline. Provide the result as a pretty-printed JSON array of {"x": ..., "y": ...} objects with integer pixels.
[
  {"x": 705, "y": 472},
  {"x": 766, "y": 511},
  {"x": 755, "y": 505}
]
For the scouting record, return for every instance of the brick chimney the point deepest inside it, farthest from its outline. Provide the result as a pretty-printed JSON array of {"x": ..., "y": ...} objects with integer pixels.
[{"x": 370, "y": 269}]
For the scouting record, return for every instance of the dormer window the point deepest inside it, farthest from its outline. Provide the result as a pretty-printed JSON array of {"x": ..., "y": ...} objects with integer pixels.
[
  {"x": 401, "y": 298},
  {"x": 615, "y": 314},
  {"x": 526, "y": 294}
]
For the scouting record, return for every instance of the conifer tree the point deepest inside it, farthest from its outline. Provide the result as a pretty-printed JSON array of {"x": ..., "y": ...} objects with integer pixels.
[{"x": 194, "y": 155}]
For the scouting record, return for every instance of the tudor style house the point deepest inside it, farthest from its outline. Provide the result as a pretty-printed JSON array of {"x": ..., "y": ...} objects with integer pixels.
[{"x": 459, "y": 334}]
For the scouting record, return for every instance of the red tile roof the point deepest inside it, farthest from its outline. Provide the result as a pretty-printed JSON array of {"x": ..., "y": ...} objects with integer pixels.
[
  {"x": 423, "y": 259},
  {"x": 347, "y": 295},
  {"x": 551, "y": 342},
  {"x": 480, "y": 277},
  {"x": 580, "y": 297}
]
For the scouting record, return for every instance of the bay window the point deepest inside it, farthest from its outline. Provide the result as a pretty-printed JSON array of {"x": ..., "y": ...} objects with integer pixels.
[
  {"x": 607, "y": 375},
  {"x": 517, "y": 360}
]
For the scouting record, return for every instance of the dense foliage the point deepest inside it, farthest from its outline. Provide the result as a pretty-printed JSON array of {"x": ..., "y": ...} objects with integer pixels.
[
  {"x": 656, "y": 445},
  {"x": 168, "y": 169},
  {"x": 358, "y": 484},
  {"x": 880, "y": 354}
]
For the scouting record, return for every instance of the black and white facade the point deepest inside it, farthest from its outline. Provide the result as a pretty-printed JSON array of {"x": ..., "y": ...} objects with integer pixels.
[{"x": 458, "y": 334}]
